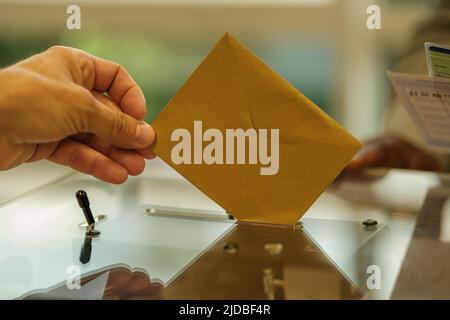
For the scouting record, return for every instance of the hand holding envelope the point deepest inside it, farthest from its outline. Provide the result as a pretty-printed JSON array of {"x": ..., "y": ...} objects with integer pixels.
[{"x": 235, "y": 117}]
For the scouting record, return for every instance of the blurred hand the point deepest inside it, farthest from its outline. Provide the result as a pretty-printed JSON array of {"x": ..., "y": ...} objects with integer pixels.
[
  {"x": 391, "y": 152},
  {"x": 54, "y": 106},
  {"x": 124, "y": 284}
]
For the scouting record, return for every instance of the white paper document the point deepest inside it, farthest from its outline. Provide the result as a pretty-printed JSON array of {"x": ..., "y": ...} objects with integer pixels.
[{"x": 427, "y": 100}]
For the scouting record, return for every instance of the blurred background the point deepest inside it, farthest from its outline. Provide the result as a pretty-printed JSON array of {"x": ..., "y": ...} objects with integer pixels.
[{"x": 322, "y": 47}]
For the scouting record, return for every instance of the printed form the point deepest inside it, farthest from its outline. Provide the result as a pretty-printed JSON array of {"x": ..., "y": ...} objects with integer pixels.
[{"x": 427, "y": 100}]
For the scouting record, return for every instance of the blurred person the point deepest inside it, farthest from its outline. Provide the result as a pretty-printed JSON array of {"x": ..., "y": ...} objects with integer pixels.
[
  {"x": 402, "y": 145},
  {"x": 74, "y": 109}
]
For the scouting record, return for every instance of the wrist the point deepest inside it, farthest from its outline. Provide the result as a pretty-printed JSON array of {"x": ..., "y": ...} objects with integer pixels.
[
  {"x": 6, "y": 101},
  {"x": 4, "y": 83},
  {"x": 5, "y": 86}
]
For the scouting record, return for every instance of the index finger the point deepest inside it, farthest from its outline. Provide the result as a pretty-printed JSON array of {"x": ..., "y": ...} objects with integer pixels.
[
  {"x": 367, "y": 157},
  {"x": 112, "y": 78}
]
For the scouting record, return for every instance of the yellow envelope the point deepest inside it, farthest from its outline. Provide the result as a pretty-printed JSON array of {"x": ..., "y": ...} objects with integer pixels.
[{"x": 232, "y": 88}]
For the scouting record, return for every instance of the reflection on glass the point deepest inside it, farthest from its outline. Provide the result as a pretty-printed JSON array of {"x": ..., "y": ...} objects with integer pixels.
[
  {"x": 357, "y": 250},
  {"x": 111, "y": 283}
]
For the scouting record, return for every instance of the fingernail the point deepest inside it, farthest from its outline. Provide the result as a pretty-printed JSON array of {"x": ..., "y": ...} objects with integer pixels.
[{"x": 144, "y": 134}]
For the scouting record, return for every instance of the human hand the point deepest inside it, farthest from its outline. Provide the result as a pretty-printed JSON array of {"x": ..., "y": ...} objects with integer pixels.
[
  {"x": 391, "y": 152},
  {"x": 54, "y": 106}
]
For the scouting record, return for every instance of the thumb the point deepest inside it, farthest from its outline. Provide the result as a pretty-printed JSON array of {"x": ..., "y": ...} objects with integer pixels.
[{"x": 120, "y": 129}]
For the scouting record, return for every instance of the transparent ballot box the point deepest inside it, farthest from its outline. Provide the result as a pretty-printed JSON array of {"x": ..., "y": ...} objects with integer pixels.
[{"x": 384, "y": 234}]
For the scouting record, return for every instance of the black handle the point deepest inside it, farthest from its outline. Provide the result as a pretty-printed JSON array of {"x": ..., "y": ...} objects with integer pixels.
[
  {"x": 86, "y": 250},
  {"x": 83, "y": 202}
]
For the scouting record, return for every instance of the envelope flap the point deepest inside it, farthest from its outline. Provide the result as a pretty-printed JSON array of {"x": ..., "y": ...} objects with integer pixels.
[{"x": 274, "y": 102}]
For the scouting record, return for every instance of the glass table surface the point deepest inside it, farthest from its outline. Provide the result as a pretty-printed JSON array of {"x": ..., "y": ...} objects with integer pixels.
[{"x": 162, "y": 238}]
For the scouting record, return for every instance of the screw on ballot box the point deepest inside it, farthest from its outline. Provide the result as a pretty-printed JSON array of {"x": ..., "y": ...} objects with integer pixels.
[{"x": 370, "y": 224}]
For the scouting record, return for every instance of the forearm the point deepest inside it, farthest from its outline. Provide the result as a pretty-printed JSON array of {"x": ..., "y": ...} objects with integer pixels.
[
  {"x": 3, "y": 99},
  {"x": 8, "y": 154}
]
